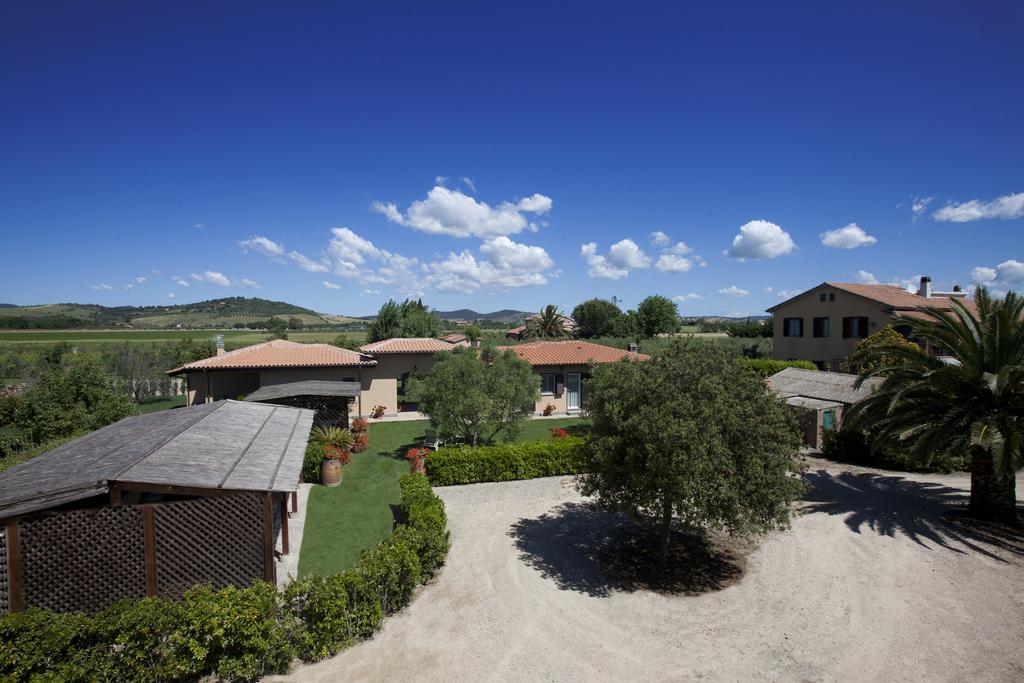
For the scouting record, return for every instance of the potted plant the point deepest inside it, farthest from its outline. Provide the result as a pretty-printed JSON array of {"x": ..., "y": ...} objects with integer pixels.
[
  {"x": 377, "y": 412},
  {"x": 337, "y": 444},
  {"x": 548, "y": 409},
  {"x": 361, "y": 442},
  {"x": 359, "y": 425},
  {"x": 417, "y": 458}
]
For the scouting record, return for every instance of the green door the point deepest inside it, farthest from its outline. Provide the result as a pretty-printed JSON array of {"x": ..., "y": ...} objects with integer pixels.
[{"x": 828, "y": 420}]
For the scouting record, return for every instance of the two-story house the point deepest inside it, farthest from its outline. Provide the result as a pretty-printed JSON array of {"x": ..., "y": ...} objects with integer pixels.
[{"x": 824, "y": 323}]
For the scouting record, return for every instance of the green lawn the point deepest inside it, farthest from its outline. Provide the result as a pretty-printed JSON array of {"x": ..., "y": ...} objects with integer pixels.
[
  {"x": 341, "y": 522},
  {"x": 162, "y": 404}
]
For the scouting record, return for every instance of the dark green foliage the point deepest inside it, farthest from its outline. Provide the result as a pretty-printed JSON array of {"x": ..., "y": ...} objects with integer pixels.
[
  {"x": 407, "y": 319},
  {"x": 596, "y": 318},
  {"x": 504, "y": 462},
  {"x": 853, "y": 446},
  {"x": 235, "y": 634},
  {"x": 690, "y": 436},
  {"x": 278, "y": 328},
  {"x": 657, "y": 315},
  {"x": 548, "y": 323},
  {"x": 870, "y": 354},
  {"x": 747, "y": 329},
  {"x": 311, "y": 462},
  {"x": 767, "y": 366}
]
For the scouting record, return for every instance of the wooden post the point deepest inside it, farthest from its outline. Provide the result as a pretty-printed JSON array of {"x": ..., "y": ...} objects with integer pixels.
[
  {"x": 149, "y": 540},
  {"x": 284, "y": 524},
  {"x": 13, "y": 568},
  {"x": 295, "y": 501},
  {"x": 115, "y": 495},
  {"x": 268, "y": 537}
]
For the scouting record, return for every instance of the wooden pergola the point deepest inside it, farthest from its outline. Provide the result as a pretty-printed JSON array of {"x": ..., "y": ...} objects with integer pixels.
[
  {"x": 329, "y": 399},
  {"x": 151, "y": 505}
]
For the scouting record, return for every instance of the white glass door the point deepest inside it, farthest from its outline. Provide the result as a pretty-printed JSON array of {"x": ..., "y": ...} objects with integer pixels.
[{"x": 572, "y": 391}]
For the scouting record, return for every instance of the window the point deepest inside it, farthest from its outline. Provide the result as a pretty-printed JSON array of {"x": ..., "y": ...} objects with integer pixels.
[
  {"x": 855, "y": 327},
  {"x": 792, "y": 327},
  {"x": 821, "y": 327},
  {"x": 821, "y": 297},
  {"x": 547, "y": 383},
  {"x": 831, "y": 296}
]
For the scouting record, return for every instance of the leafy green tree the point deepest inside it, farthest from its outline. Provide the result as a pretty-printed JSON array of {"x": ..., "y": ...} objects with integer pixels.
[
  {"x": 973, "y": 406},
  {"x": 387, "y": 324},
  {"x": 295, "y": 323},
  {"x": 690, "y": 437},
  {"x": 548, "y": 323},
  {"x": 407, "y": 319},
  {"x": 78, "y": 397},
  {"x": 278, "y": 328},
  {"x": 628, "y": 326},
  {"x": 657, "y": 315},
  {"x": 869, "y": 353},
  {"x": 473, "y": 333},
  {"x": 596, "y": 318},
  {"x": 346, "y": 341},
  {"x": 476, "y": 401}
]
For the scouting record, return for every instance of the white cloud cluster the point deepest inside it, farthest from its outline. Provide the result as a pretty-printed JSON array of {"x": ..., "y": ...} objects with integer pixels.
[
  {"x": 212, "y": 277},
  {"x": 103, "y": 287},
  {"x": 140, "y": 279},
  {"x": 758, "y": 240},
  {"x": 453, "y": 213},
  {"x": 309, "y": 264},
  {"x": 502, "y": 264},
  {"x": 866, "y": 278},
  {"x": 1007, "y": 275},
  {"x": 848, "y": 237},
  {"x": 919, "y": 204},
  {"x": 733, "y": 290},
  {"x": 598, "y": 266},
  {"x": 331, "y": 285},
  {"x": 659, "y": 239},
  {"x": 1007, "y": 207},
  {"x": 263, "y": 245},
  {"x": 180, "y": 281},
  {"x": 626, "y": 255},
  {"x": 692, "y": 296}
]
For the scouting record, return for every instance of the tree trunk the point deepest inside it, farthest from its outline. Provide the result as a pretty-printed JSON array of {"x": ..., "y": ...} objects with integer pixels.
[
  {"x": 993, "y": 496},
  {"x": 666, "y": 532}
]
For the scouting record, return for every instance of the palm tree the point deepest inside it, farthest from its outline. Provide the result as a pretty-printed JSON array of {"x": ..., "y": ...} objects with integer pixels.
[
  {"x": 548, "y": 323},
  {"x": 973, "y": 404}
]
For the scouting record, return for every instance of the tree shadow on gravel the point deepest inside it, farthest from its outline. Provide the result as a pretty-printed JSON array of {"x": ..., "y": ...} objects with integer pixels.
[
  {"x": 584, "y": 549},
  {"x": 930, "y": 514}
]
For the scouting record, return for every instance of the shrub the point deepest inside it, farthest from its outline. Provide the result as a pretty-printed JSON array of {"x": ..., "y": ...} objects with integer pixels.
[
  {"x": 312, "y": 461},
  {"x": 559, "y": 433},
  {"x": 504, "y": 462},
  {"x": 234, "y": 633},
  {"x": 361, "y": 443},
  {"x": 854, "y": 446},
  {"x": 767, "y": 366},
  {"x": 360, "y": 424},
  {"x": 332, "y": 436}
]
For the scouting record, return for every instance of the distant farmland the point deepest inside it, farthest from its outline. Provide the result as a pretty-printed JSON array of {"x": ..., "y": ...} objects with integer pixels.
[{"x": 232, "y": 338}]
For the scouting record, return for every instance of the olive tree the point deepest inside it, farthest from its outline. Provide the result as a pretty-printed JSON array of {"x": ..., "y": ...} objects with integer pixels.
[
  {"x": 477, "y": 397},
  {"x": 690, "y": 437}
]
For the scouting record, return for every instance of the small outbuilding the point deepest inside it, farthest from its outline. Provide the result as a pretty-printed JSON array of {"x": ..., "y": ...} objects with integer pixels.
[
  {"x": 152, "y": 505},
  {"x": 819, "y": 398}
]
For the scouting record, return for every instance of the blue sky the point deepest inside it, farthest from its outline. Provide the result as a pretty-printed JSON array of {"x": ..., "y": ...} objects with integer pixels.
[{"x": 249, "y": 149}]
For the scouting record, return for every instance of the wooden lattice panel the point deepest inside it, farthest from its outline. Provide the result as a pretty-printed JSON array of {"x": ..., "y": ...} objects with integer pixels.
[
  {"x": 82, "y": 559},
  {"x": 5, "y": 605},
  {"x": 208, "y": 540}
]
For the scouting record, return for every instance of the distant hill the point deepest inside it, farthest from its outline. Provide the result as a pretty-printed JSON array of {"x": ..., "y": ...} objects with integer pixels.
[
  {"x": 213, "y": 313},
  {"x": 506, "y": 315}
]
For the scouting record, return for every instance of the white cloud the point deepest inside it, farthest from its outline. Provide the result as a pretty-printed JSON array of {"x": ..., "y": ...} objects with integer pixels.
[
  {"x": 598, "y": 264},
  {"x": 170, "y": 295},
  {"x": 1006, "y": 275},
  {"x": 468, "y": 182},
  {"x": 370, "y": 292},
  {"x": 670, "y": 263},
  {"x": 198, "y": 226},
  {"x": 309, "y": 264},
  {"x": 733, "y": 290},
  {"x": 659, "y": 239},
  {"x": 787, "y": 293},
  {"x": 331, "y": 285},
  {"x": 128, "y": 287},
  {"x": 181, "y": 282},
  {"x": 503, "y": 264},
  {"x": 919, "y": 204},
  {"x": 350, "y": 249},
  {"x": 263, "y": 245},
  {"x": 679, "y": 248},
  {"x": 627, "y": 254},
  {"x": 1007, "y": 207},
  {"x": 440, "y": 180},
  {"x": 103, "y": 287},
  {"x": 212, "y": 277},
  {"x": 760, "y": 239},
  {"x": 248, "y": 284},
  {"x": 866, "y": 278},
  {"x": 848, "y": 237},
  {"x": 450, "y": 212},
  {"x": 692, "y": 296},
  {"x": 140, "y": 279}
]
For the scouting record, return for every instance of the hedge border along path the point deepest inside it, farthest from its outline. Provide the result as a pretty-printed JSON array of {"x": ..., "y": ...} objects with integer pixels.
[
  {"x": 504, "y": 462},
  {"x": 235, "y": 633}
]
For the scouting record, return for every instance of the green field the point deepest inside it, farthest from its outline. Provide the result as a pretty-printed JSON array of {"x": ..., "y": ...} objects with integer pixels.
[{"x": 232, "y": 338}]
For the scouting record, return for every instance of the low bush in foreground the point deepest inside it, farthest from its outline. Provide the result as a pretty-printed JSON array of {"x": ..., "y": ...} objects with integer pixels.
[
  {"x": 853, "y": 446},
  {"x": 504, "y": 462},
  {"x": 234, "y": 633}
]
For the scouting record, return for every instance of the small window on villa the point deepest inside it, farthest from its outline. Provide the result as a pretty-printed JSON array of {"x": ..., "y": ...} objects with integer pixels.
[
  {"x": 821, "y": 297},
  {"x": 831, "y": 296},
  {"x": 547, "y": 383},
  {"x": 792, "y": 327},
  {"x": 855, "y": 327},
  {"x": 821, "y": 327}
]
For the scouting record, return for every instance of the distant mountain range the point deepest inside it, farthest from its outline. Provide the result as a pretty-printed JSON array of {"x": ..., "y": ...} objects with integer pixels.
[
  {"x": 506, "y": 315},
  {"x": 213, "y": 313}
]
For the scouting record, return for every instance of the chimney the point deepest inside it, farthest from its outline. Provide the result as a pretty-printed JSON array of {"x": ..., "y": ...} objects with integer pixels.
[
  {"x": 956, "y": 288},
  {"x": 220, "y": 344},
  {"x": 926, "y": 287},
  {"x": 634, "y": 347}
]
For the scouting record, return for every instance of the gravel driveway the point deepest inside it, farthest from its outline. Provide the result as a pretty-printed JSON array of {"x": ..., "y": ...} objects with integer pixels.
[{"x": 871, "y": 583}]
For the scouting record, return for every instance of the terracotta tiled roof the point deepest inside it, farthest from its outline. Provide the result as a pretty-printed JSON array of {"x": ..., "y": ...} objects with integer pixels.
[
  {"x": 280, "y": 353},
  {"x": 407, "y": 345},
  {"x": 570, "y": 352},
  {"x": 454, "y": 338},
  {"x": 896, "y": 298}
]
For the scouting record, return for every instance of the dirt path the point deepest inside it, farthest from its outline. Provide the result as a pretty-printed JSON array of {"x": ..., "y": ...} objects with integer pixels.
[{"x": 872, "y": 583}]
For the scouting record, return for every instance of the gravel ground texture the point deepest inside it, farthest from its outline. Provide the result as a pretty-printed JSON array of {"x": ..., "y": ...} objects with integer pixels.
[{"x": 875, "y": 581}]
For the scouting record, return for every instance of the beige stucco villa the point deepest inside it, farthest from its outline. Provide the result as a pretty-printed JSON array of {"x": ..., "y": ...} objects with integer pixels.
[
  {"x": 372, "y": 376},
  {"x": 563, "y": 367}
]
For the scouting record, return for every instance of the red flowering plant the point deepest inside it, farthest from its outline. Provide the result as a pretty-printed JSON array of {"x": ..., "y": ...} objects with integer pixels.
[
  {"x": 360, "y": 424},
  {"x": 417, "y": 458},
  {"x": 549, "y": 408},
  {"x": 559, "y": 433},
  {"x": 378, "y": 412},
  {"x": 361, "y": 443},
  {"x": 332, "y": 452}
]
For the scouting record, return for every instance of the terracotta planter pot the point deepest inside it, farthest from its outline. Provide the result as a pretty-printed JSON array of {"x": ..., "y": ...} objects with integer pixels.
[{"x": 330, "y": 472}]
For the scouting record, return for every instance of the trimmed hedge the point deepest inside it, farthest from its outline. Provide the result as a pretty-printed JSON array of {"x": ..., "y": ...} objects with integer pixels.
[
  {"x": 504, "y": 462},
  {"x": 237, "y": 634},
  {"x": 767, "y": 366}
]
